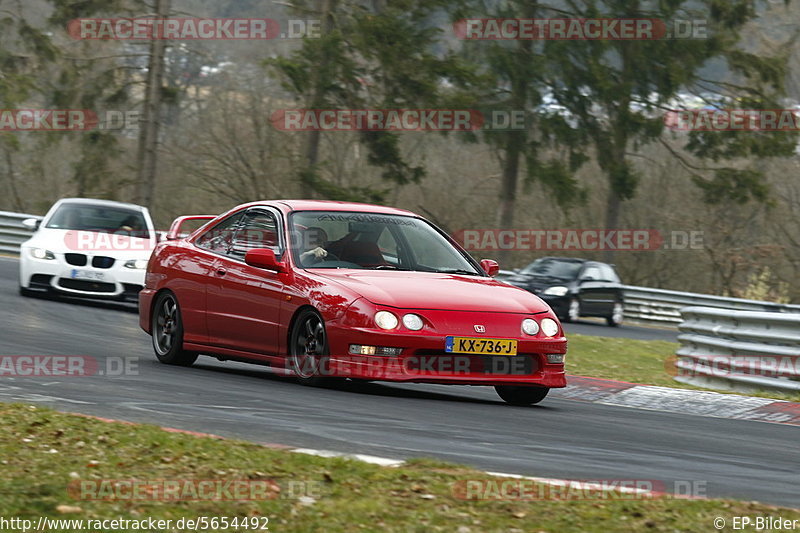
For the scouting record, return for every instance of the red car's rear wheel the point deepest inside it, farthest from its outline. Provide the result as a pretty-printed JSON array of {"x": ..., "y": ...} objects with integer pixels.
[{"x": 167, "y": 332}]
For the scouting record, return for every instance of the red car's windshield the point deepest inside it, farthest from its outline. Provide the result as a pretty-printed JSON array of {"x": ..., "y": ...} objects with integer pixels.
[{"x": 335, "y": 239}]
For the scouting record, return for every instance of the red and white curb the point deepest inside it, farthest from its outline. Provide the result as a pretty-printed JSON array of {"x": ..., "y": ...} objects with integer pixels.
[
  {"x": 389, "y": 462},
  {"x": 565, "y": 485},
  {"x": 683, "y": 401},
  {"x": 371, "y": 459},
  {"x": 568, "y": 486}
]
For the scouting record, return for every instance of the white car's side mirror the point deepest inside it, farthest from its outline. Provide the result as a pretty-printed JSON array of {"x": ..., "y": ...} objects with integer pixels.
[{"x": 31, "y": 223}]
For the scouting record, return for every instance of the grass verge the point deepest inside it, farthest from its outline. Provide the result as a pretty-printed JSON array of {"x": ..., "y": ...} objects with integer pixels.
[
  {"x": 636, "y": 361},
  {"x": 43, "y": 451}
]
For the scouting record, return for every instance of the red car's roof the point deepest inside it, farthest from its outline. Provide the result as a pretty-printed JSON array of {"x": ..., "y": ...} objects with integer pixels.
[{"x": 328, "y": 205}]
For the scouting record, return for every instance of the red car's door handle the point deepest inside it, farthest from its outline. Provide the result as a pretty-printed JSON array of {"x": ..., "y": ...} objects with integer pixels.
[{"x": 221, "y": 272}]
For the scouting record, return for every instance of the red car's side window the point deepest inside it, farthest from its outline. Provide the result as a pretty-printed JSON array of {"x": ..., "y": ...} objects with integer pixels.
[
  {"x": 259, "y": 229},
  {"x": 219, "y": 238}
]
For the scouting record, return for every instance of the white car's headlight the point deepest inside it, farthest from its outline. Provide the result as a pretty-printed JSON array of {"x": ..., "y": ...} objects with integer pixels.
[
  {"x": 556, "y": 291},
  {"x": 138, "y": 264},
  {"x": 41, "y": 253},
  {"x": 549, "y": 327},
  {"x": 386, "y": 320},
  {"x": 530, "y": 326},
  {"x": 413, "y": 322}
]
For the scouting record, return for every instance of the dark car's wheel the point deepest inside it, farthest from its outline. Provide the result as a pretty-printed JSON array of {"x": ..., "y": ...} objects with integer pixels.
[
  {"x": 308, "y": 349},
  {"x": 167, "y": 332},
  {"x": 573, "y": 311},
  {"x": 519, "y": 395},
  {"x": 616, "y": 316}
]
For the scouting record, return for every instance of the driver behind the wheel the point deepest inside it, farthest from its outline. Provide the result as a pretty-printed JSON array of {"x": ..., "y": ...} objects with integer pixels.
[
  {"x": 129, "y": 225},
  {"x": 314, "y": 241}
]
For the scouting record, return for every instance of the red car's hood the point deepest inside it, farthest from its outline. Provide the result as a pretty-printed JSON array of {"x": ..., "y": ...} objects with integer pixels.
[{"x": 425, "y": 290}]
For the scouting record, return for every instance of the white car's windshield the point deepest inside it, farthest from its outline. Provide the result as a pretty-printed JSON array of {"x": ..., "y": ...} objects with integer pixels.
[
  {"x": 323, "y": 239},
  {"x": 88, "y": 217}
]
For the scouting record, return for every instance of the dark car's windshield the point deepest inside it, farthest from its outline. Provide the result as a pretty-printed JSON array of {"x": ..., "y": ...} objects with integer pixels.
[
  {"x": 323, "y": 239},
  {"x": 90, "y": 217},
  {"x": 553, "y": 268}
]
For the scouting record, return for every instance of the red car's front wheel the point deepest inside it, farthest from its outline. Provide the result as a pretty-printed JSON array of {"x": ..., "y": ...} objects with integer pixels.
[
  {"x": 308, "y": 348},
  {"x": 519, "y": 395}
]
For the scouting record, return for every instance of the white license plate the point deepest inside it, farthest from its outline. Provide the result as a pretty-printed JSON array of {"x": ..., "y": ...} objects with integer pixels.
[{"x": 87, "y": 274}]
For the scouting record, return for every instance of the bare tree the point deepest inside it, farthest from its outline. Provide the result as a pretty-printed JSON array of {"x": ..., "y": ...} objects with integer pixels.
[{"x": 147, "y": 158}]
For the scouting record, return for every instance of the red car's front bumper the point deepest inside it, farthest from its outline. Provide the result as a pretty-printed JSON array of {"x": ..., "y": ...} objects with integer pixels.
[{"x": 427, "y": 362}]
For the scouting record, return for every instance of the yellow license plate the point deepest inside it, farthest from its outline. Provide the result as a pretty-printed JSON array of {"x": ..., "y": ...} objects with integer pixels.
[{"x": 481, "y": 346}]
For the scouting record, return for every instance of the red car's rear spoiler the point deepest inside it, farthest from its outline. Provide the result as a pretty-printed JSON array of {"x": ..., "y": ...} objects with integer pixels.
[{"x": 175, "y": 229}]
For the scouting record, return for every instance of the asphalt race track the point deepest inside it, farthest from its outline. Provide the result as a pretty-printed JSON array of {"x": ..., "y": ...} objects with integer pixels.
[
  {"x": 468, "y": 425},
  {"x": 599, "y": 329}
]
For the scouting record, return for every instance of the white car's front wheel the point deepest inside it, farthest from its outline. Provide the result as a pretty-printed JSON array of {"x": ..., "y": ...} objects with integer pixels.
[{"x": 26, "y": 292}]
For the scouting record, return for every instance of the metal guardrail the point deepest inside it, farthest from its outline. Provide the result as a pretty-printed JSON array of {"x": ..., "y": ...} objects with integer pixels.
[
  {"x": 744, "y": 350},
  {"x": 12, "y": 232},
  {"x": 663, "y": 306},
  {"x": 660, "y": 306}
]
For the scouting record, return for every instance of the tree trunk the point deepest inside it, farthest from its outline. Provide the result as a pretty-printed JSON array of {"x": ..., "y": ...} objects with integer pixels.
[
  {"x": 619, "y": 186},
  {"x": 147, "y": 156},
  {"x": 508, "y": 187},
  {"x": 613, "y": 206},
  {"x": 12, "y": 186},
  {"x": 515, "y": 143},
  {"x": 312, "y": 154},
  {"x": 326, "y": 8}
]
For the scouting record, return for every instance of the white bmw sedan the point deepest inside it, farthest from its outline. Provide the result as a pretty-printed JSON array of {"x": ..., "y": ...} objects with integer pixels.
[{"x": 90, "y": 248}]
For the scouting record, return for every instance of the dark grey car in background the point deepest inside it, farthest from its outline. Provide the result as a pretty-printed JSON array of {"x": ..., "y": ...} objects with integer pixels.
[{"x": 573, "y": 287}]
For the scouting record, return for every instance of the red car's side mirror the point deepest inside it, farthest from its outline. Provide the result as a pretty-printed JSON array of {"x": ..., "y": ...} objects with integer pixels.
[
  {"x": 264, "y": 258},
  {"x": 490, "y": 266}
]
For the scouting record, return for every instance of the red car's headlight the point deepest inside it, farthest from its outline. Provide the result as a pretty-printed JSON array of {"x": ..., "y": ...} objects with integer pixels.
[
  {"x": 413, "y": 322},
  {"x": 549, "y": 327},
  {"x": 530, "y": 326},
  {"x": 386, "y": 320}
]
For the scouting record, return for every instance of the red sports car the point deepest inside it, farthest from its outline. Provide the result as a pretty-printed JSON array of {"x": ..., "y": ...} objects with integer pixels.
[{"x": 330, "y": 290}]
